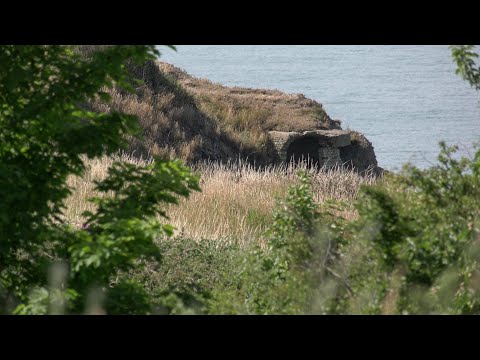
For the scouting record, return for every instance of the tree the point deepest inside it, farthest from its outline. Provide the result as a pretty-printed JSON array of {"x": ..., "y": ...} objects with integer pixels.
[
  {"x": 467, "y": 66},
  {"x": 45, "y": 129}
]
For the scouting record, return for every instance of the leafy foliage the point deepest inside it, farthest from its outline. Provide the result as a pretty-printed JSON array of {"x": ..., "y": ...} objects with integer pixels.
[
  {"x": 44, "y": 130},
  {"x": 286, "y": 277},
  {"x": 467, "y": 63},
  {"x": 421, "y": 225},
  {"x": 414, "y": 248}
]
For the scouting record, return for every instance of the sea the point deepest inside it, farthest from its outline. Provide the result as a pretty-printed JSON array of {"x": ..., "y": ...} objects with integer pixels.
[{"x": 404, "y": 98}]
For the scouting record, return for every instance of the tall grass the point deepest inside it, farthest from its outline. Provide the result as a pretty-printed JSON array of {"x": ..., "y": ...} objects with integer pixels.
[{"x": 236, "y": 202}]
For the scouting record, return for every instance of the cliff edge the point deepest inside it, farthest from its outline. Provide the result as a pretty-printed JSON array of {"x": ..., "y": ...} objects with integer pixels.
[{"x": 195, "y": 119}]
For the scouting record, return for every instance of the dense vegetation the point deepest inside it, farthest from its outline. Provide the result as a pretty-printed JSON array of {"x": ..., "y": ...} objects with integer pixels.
[
  {"x": 44, "y": 129},
  {"x": 404, "y": 244}
]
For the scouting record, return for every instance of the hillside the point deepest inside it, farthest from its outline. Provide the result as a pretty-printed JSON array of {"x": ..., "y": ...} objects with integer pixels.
[{"x": 195, "y": 119}]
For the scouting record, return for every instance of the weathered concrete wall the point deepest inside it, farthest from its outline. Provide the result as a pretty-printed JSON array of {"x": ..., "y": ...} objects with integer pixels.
[
  {"x": 281, "y": 141},
  {"x": 330, "y": 156},
  {"x": 329, "y": 142}
]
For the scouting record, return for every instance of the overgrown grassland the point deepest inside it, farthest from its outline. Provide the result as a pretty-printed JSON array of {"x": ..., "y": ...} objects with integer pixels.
[{"x": 236, "y": 201}]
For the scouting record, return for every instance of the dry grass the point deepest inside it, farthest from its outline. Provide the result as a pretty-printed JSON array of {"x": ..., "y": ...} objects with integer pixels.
[
  {"x": 196, "y": 120},
  {"x": 286, "y": 112},
  {"x": 236, "y": 202},
  {"x": 245, "y": 125}
]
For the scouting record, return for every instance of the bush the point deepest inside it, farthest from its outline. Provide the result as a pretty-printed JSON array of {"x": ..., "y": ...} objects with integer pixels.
[
  {"x": 44, "y": 130},
  {"x": 413, "y": 249},
  {"x": 290, "y": 274},
  {"x": 420, "y": 230}
]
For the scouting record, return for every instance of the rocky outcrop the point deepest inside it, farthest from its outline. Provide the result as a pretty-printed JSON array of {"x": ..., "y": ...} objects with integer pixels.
[
  {"x": 195, "y": 120},
  {"x": 360, "y": 154}
]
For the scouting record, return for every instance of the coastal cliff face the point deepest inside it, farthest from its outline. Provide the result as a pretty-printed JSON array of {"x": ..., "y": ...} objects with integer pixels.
[{"x": 195, "y": 119}]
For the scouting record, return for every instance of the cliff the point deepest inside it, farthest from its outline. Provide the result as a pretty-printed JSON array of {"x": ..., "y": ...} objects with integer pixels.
[{"x": 195, "y": 119}]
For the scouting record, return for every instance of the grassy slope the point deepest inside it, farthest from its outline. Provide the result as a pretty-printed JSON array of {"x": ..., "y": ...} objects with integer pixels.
[{"x": 194, "y": 119}]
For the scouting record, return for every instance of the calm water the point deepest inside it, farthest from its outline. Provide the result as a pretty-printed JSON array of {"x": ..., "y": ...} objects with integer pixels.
[{"x": 403, "y": 98}]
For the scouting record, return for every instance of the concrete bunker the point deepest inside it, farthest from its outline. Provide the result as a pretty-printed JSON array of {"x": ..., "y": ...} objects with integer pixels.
[
  {"x": 305, "y": 149},
  {"x": 319, "y": 148}
]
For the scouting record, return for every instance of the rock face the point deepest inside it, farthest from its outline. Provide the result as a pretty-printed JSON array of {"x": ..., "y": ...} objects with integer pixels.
[{"x": 360, "y": 154}]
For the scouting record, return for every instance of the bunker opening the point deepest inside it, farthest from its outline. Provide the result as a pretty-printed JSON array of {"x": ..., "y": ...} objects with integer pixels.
[{"x": 305, "y": 150}]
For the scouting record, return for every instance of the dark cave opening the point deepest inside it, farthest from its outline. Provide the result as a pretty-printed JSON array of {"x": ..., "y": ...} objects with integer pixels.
[{"x": 304, "y": 150}]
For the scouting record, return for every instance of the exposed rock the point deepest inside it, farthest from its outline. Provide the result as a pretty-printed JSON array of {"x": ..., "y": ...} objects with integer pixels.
[{"x": 360, "y": 154}]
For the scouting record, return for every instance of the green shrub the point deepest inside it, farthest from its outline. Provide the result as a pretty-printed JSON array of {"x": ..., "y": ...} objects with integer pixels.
[
  {"x": 420, "y": 229},
  {"x": 466, "y": 60},
  {"x": 190, "y": 271},
  {"x": 44, "y": 131},
  {"x": 290, "y": 274},
  {"x": 414, "y": 249}
]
